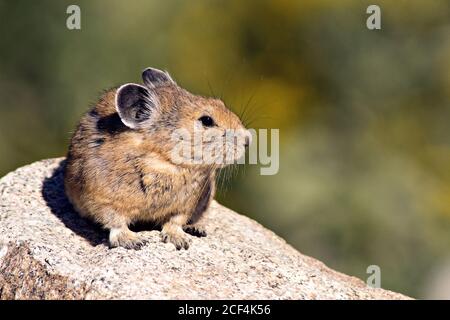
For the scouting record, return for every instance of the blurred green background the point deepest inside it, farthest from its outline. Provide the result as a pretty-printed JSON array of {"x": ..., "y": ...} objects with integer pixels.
[{"x": 363, "y": 115}]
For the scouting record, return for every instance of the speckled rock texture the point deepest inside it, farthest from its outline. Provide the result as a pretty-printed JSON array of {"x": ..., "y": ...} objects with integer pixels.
[{"x": 48, "y": 252}]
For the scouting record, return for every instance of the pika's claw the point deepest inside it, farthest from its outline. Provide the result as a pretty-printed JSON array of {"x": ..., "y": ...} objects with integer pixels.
[
  {"x": 195, "y": 230},
  {"x": 126, "y": 239},
  {"x": 179, "y": 239}
]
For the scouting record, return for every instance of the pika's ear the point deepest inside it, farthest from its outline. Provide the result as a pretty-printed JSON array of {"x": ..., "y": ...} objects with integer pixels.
[
  {"x": 153, "y": 77},
  {"x": 135, "y": 104}
]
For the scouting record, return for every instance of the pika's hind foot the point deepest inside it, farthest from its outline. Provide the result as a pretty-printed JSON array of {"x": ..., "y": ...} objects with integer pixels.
[
  {"x": 127, "y": 239},
  {"x": 195, "y": 230}
]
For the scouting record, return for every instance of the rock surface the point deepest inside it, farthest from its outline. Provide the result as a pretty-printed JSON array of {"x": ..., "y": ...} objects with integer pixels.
[{"x": 48, "y": 252}]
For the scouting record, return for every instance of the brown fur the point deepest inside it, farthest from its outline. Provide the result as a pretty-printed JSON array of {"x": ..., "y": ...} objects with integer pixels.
[{"x": 117, "y": 176}]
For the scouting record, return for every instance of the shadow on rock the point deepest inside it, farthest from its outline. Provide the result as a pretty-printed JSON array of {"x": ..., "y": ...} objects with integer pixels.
[{"x": 54, "y": 195}]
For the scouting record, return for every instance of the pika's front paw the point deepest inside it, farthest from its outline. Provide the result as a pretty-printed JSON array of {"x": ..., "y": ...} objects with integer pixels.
[
  {"x": 126, "y": 239},
  {"x": 179, "y": 239},
  {"x": 195, "y": 230}
]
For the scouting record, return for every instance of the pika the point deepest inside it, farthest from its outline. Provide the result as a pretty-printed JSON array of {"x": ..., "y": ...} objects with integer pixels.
[{"x": 121, "y": 167}]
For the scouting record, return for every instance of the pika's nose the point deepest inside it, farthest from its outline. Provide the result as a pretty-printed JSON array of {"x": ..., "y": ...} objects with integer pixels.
[{"x": 248, "y": 139}]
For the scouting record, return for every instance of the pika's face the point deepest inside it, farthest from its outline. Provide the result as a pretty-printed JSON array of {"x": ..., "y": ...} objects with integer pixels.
[{"x": 188, "y": 130}]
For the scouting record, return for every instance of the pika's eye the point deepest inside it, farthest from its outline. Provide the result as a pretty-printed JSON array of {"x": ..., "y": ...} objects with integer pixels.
[{"x": 206, "y": 121}]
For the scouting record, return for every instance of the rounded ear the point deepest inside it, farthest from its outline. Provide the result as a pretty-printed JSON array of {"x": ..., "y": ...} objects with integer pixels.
[
  {"x": 153, "y": 77},
  {"x": 135, "y": 104}
]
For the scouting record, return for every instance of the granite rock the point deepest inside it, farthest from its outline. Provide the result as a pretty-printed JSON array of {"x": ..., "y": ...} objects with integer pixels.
[{"x": 48, "y": 252}]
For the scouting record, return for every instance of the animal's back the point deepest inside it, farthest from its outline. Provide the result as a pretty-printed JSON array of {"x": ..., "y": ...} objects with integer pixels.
[{"x": 97, "y": 164}]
